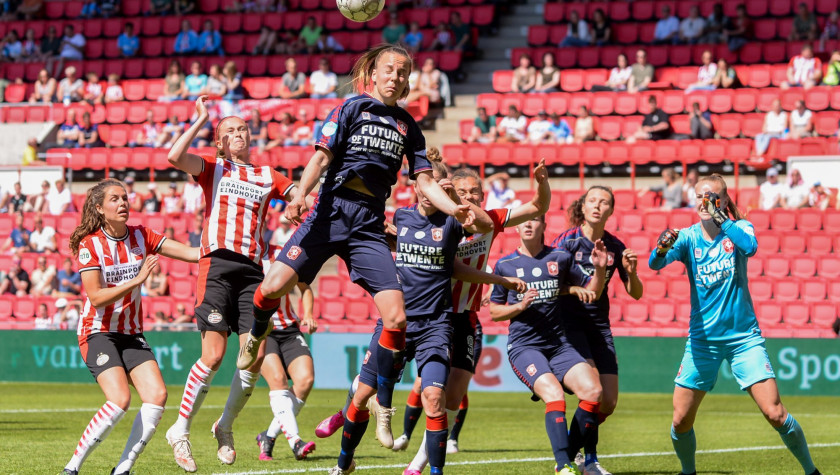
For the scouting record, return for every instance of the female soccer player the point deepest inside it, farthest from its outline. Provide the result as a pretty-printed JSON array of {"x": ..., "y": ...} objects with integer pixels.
[
  {"x": 287, "y": 356},
  {"x": 360, "y": 153},
  {"x": 588, "y": 324},
  {"x": 114, "y": 260},
  {"x": 537, "y": 348},
  {"x": 723, "y": 323},
  {"x": 237, "y": 194}
]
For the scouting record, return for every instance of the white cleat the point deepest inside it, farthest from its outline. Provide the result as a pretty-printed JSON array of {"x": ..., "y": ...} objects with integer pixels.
[
  {"x": 383, "y": 417},
  {"x": 452, "y": 446},
  {"x": 182, "y": 451},
  {"x": 226, "y": 452},
  {"x": 339, "y": 471},
  {"x": 594, "y": 468},
  {"x": 400, "y": 443},
  {"x": 580, "y": 460}
]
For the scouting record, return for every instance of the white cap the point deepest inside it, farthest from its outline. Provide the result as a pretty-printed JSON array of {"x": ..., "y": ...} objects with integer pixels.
[{"x": 61, "y": 303}]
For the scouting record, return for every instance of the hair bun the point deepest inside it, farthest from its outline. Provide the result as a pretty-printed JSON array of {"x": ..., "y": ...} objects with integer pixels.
[{"x": 433, "y": 154}]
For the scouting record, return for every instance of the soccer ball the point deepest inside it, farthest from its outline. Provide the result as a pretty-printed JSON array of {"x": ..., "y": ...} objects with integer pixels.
[{"x": 360, "y": 10}]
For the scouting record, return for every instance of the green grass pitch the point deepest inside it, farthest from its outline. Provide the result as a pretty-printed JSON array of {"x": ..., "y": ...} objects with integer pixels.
[{"x": 40, "y": 425}]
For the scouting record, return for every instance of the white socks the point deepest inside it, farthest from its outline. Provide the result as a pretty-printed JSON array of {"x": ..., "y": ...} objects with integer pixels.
[
  {"x": 198, "y": 383},
  {"x": 422, "y": 458},
  {"x": 142, "y": 430},
  {"x": 241, "y": 388},
  {"x": 283, "y": 404},
  {"x": 97, "y": 430}
]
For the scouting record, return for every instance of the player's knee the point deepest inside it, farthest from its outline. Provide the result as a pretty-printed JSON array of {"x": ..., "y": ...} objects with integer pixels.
[
  {"x": 590, "y": 392},
  {"x": 304, "y": 383},
  {"x": 158, "y": 396},
  {"x": 682, "y": 423},
  {"x": 212, "y": 358},
  {"x": 122, "y": 400},
  {"x": 433, "y": 400},
  {"x": 607, "y": 405},
  {"x": 775, "y": 414}
]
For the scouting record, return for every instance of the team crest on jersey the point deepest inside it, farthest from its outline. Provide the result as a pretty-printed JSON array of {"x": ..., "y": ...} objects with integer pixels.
[
  {"x": 101, "y": 359},
  {"x": 143, "y": 343},
  {"x": 728, "y": 246},
  {"x": 402, "y": 127},
  {"x": 214, "y": 317},
  {"x": 610, "y": 258},
  {"x": 531, "y": 369},
  {"x": 84, "y": 256},
  {"x": 366, "y": 115},
  {"x": 437, "y": 234},
  {"x": 329, "y": 129},
  {"x": 367, "y": 357},
  {"x": 136, "y": 251},
  {"x": 293, "y": 252},
  {"x": 578, "y": 256},
  {"x": 698, "y": 253},
  {"x": 553, "y": 268}
]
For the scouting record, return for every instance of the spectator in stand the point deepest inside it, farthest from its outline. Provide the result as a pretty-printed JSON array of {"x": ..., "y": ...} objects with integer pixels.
[
  {"x": 18, "y": 240},
  {"x": 37, "y": 202},
  {"x": 71, "y": 88},
  {"x": 499, "y": 194},
  {"x": 30, "y": 153},
  {"x": 94, "y": 93},
  {"x": 700, "y": 123},
  {"x": 285, "y": 131},
  {"x": 258, "y": 130},
  {"x": 775, "y": 127},
  {"x": 151, "y": 203},
  {"x": 90, "y": 9},
  {"x": 692, "y": 27},
  {"x": 43, "y": 89},
  {"x": 705, "y": 75},
  {"x": 16, "y": 281},
  {"x": 832, "y": 71},
  {"x": 128, "y": 43},
  {"x": 323, "y": 82},
  {"x": 302, "y": 134},
  {"x": 196, "y": 82},
  {"x": 69, "y": 282},
  {"x": 443, "y": 38},
  {"x": 819, "y": 197},
  {"x": 210, "y": 40},
  {"x": 66, "y": 315},
  {"x": 157, "y": 285},
  {"x": 193, "y": 196},
  {"x": 804, "y": 70},
  {"x": 725, "y": 76},
  {"x": 181, "y": 317},
  {"x": 619, "y": 76},
  {"x": 524, "y": 76},
  {"x": 42, "y": 279},
  {"x": 114, "y": 92},
  {"x": 560, "y": 131},
  {"x": 184, "y": 7},
  {"x": 584, "y": 126},
  {"x": 740, "y": 30},
  {"x": 328, "y": 44},
  {"x": 483, "y": 129},
  {"x": 426, "y": 82},
  {"x": 170, "y": 132},
  {"x": 216, "y": 85},
  {"x": 538, "y": 129},
  {"x": 796, "y": 192},
  {"x": 413, "y": 40},
  {"x": 512, "y": 128},
  {"x": 548, "y": 76},
  {"x": 109, "y": 8},
  {"x": 17, "y": 200},
  {"x": 161, "y": 7},
  {"x": 174, "y": 81},
  {"x": 30, "y": 46},
  {"x": 172, "y": 202},
  {"x": 149, "y": 135},
  {"x": 831, "y": 31},
  {"x": 42, "y": 318},
  {"x": 134, "y": 200},
  {"x": 460, "y": 33},
  {"x": 801, "y": 121},
  {"x": 293, "y": 85},
  {"x": 204, "y": 136},
  {"x": 12, "y": 48},
  {"x": 72, "y": 45},
  {"x": 804, "y": 25},
  {"x": 309, "y": 36},
  {"x": 42, "y": 238},
  {"x": 160, "y": 321},
  {"x": 641, "y": 73},
  {"x": 50, "y": 45},
  {"x": 689, "y": 195},
  {"x": 89, "y": 133},
  {"x": 667, "y": 28},
  {"x": 69, "y": 132},
  {"x": 186, "y": 42},
  {"x": 59, "y": 200},
  {"x": 601, "y": 32},
  {"x": 771, "y": 193},
  {"x": 577, "y": 31},
  {"x": 194, "y": 236},
  {"x": 671, "y": 190},
  {"x": 284, "y": 231},
  {"x": 267, "y": 42},
  {"x": 394, "y": 32},
  {"x": 655, "y": 126}
]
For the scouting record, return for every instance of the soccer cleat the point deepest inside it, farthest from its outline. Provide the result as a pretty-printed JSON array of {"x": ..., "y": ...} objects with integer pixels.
[
  {"x": 409, "y": 471},
  {"x": 580, "y": 461},
  {"x": 114, "y": 472},
  {"x": 266, "y": 445},
  {"x": 67, "y": 471},
  {"x": 248, "y": 351},
  {"x": 594, "y": 468},
  {"x": 328, "y": 426},
  {"x": 226, "y": 452},
  {"x": 568, "y": 470},
  {"x": 339, "y": 471},
  {"x": 182, "y": 450},
  {"x": 302, "y": 449},
  {"x": 400, "y": 443},
  {"x": 451, "y": 446},
  {"x": 383, "y": 417}
]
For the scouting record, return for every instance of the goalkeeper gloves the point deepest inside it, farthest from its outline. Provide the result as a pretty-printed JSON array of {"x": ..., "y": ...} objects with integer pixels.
[
  {"x": 666, "y": 240},
  {"x": 711, "y": 203}
]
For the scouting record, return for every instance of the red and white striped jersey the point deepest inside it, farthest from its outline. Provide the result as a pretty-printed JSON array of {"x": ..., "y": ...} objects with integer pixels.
[
  {"x": 474, "y": 251},
  {"x": 237, "y": 198},
  {"x": 118, "y": 260},
  {"x": 285, "y": 316}
]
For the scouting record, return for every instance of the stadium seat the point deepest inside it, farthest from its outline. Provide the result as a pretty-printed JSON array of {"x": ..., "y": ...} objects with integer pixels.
[
  {"x": 786, "y": 290},
  {"x": 791, "y": 243},
  {"x": 24, "y": 306},
  {"x": 776, "y": 266},
  {"x": 331, "y": 310},
  {"x": 768, "y": 314},
  {"x": 803, "y": 267},
  {"x": 662, "y": 312},
  {"x": 635, "y": 312},
  {"x": 813, "y": 290},
  {"x": 828, "y": 267},
  {"x": 823, "y": 314}
]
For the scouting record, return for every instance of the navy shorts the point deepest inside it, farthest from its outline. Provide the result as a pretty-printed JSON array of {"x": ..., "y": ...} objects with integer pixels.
[
  {"x": 106, "y": 350},
  {"x": 596, "y": 345},
  {"x": 531, "y": 362},
  {"x": 288, "y": 344},
  {"x": 225, "y": 292},
  {"x": 348, "y": 224},
  {"x": 427, "y": 340},
  {"x": 465, "y": 340}
]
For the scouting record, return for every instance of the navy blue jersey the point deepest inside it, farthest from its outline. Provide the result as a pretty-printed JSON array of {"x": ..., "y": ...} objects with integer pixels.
[
  {"x": 368, "y": 139},
  {"x": 426, "y": 247},
  {"x": 548, "y": 272},
  {"x": 585, "y": 315}
]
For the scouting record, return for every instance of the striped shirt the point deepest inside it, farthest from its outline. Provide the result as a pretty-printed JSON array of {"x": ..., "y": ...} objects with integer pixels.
[
  {"x": 474, "y": 251},
  {"x": 118, "y": 260}
]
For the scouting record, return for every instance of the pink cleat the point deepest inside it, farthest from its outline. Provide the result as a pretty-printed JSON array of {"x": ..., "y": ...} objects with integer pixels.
[
  {"x": 302, "y": 449},
  {"x": 328, "y": 426},
  {"x": 410, "y": 471}
]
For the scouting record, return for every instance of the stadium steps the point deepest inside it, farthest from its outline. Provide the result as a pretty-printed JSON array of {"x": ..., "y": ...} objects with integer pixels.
[{"x": 446, "y": 129}]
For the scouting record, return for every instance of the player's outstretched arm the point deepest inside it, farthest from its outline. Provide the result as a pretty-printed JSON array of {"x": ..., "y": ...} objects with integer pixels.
[
  {"x": 473, "y": 218},
  {"x": 599, "y": 260},
  {"x": 316, "y": 167},
  {"x": 178, "y": 156},
  {"x": 100, "y": 296},
  {"x": 664, "y": 254},
  {"x": 539, "y": 205},
  {"x": 470, "y": 274},
  {"x": 177, "y": 250},
  {"x": 500, "y": 312}
]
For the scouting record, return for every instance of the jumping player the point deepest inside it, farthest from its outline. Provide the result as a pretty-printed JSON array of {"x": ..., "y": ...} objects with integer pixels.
[
  {"x": 360, "y": 153},
  {"x": 723, "y": 323},
  {"x": 537, "y": 348},
  {"x": 114, "y": 260},
  {"x": 237, "y": 194},
  {"x": 588, "y": 325}
]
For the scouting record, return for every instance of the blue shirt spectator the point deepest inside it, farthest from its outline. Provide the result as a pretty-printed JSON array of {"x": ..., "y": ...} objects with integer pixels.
[
  {"x": 187, "y": 40},
  {"x": 195, "y": 82},
  {"x": 128, "y": 42},
  {"x": 210, "y": 40},
  {"x": 560, "y": 129},
  {"x": 69, "y": 282}
]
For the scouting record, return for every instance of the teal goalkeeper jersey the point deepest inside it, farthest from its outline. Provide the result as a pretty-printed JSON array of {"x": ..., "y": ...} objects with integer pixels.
[{"x": 721, "y": 306}]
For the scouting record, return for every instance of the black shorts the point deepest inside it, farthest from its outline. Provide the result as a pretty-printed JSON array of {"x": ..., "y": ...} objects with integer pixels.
[
  {"x": 225, "y": 292},
  {"x": 288, "y": 344},
  {"x": 596, "y": 345},
  {"x": 465, "y": 341},
  {"x": 102, "y": 351}
]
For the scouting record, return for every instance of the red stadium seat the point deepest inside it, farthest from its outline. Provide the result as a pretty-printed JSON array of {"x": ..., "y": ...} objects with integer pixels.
[
  {"x": 819, "y": 244},
  {"x": 744, "y": 100},
  {"x": 329, "y": 286},
  {"x": 814, "y": 290},
  {"x": 572, "y": 80},
  {"x": 656, "y": 288},
  {"x": 792, "y": 243},
  {"x": 768, "y": 314},
  {"x": 721, "y": 101},
  {"x": 831, "y": 222},
  {"x": 777, "y": 267},
  {"x": 755, "y": 266},
  {"x": 828, "y": 267},
  {"x": 761, "y": 289},
  {"x": 823, "y": 314},
  {"x": 786, "y": 290},
  {"x": 553, "y": 12},
  {"x": 24, "y": 307},
  {"x": 679, "y": 289},
  {"x": 803, "y": 267},
  {"x": 662, "y": 312},
  {"x": 765, "y": 29}
]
